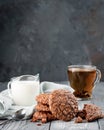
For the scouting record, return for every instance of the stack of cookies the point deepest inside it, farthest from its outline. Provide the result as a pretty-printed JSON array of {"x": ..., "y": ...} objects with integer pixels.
[
  {"x": 60, "y": 104},
  {"x": 43, "y": 112}
]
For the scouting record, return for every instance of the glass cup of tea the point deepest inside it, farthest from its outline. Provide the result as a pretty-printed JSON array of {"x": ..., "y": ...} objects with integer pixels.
[{"x": 83, "y": 79}]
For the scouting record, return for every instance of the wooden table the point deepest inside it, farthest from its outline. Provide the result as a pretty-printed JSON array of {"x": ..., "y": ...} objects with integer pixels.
[{"x": 98, "y": 99}]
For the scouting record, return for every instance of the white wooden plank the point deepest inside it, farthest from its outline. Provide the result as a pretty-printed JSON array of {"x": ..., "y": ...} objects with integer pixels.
[
  {"x": 12, "y": 125},
  {"x": 70, "y": 125},
  {"x": 36, "y": 126},
  {"x": 98, "y": 99},
  {"x": 101, "y": 124},
  {"x": 24, "y": 125}
]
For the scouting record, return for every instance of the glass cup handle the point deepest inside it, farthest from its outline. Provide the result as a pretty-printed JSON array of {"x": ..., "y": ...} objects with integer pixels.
[
  {"x": 9, "y": 89},
  {"x": 98, "y": 76}
]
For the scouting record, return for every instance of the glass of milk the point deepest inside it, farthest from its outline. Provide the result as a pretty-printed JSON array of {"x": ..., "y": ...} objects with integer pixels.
[{"x": 24, "y": 89}]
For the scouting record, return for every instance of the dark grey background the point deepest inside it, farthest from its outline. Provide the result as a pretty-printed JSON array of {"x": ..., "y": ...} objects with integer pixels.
[{"x": 45, "y": 36}]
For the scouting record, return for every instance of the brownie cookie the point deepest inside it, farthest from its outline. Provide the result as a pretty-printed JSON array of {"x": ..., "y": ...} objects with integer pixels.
[
  {"x": 63, "y": 104},
  {"x": 43, "y": 98},
  {"x": 42, "y": 107}
]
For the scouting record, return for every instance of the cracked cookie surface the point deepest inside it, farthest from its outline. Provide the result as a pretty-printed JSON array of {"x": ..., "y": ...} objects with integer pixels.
[
  {"x": 93, "y": 112},
  {"x": 63, "y": 104}
]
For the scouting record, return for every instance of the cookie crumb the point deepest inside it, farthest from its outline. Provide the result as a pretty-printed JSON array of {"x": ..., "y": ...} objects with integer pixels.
[
  {"x": 81, "y": 113},
  {"x": 78, "y": 120}
]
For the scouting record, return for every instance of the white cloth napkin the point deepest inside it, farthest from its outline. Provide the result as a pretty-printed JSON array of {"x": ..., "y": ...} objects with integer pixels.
[
  {"x": 7, "y": 106},
  {"x": 5, "y": 102},
  {"x": 46, "y": 87}
]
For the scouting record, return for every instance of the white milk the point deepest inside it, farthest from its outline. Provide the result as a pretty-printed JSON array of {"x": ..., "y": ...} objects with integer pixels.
[{"x": 24, "y": 92}]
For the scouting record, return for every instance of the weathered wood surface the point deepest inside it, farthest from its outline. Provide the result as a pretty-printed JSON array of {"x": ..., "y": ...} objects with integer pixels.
[{"x": 98, "y": 99}]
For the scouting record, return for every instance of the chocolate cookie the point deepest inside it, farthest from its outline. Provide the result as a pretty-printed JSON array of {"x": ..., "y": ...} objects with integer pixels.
[
  {"x": 43, "y": 116},
  {"x": 42, "y": 107},
  {"x": 93, "y": 112},
  {"x": 43, "y": 98},
  {"x": 63, "y": 104}
]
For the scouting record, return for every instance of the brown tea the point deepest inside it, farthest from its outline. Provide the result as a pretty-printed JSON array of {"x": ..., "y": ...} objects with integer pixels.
[{"x": 82, "y": 81}]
